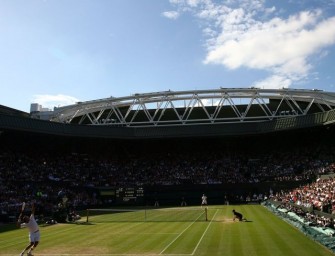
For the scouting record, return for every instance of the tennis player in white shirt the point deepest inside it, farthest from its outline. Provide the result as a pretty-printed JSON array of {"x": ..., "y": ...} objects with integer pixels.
[{"x": 34, "y": 233}]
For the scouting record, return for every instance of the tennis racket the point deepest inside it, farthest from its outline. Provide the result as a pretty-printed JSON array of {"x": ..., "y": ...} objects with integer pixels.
[{"x": 23, "y": 206}]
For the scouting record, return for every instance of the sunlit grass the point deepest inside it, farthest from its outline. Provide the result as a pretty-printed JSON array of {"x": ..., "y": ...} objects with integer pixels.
[{"x": 262, "y": 235}]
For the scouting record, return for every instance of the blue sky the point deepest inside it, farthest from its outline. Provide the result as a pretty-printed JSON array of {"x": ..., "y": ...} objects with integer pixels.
[{"x": 58, "y": 52}]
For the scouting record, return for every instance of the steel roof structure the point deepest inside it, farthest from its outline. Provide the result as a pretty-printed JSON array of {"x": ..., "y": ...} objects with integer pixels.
[{"x": 179, "y": 108}]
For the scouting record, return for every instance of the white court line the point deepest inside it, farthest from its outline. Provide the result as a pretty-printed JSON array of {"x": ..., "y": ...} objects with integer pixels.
[
  {"x": 204, "y": 233},
  {"x": 42, "y": 236},
  {"x": 110, "y": 254},
  {"x": 24, "y": 242},
  {"x": 145, "y": 233},
  {"x": 133, "y": 254},
  {"x": 178, "y": 237},
  {"x": 50, "y": 234}
]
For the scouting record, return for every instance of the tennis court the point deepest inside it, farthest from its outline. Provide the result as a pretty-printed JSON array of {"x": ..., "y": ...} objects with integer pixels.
[{"x": 170, "y": 231}]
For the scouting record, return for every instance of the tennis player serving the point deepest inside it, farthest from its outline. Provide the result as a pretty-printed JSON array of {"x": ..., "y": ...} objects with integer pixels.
[{"x": 34, "y": 233}]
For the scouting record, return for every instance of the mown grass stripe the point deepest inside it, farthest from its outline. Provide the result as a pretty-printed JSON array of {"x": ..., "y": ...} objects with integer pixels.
[
  {"x": 201, "y": 238},
  {"x": 175, "y": 239},
  {"x": 300, "y": 242},
  {"x": 275, "y": 234},
  {"x": 265, "y": 235}
]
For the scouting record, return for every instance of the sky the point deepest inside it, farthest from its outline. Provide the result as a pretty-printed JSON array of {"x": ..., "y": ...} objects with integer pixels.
[{"x": 59, "y": 52}]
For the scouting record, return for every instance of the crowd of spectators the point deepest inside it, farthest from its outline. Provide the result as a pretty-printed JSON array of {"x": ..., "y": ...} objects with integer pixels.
[
  {"x": 310, "y": 217},
  {"x": 48, "y": 176},
  {"x": 318, "y": 195},
  {"x": 315, "y": 202}
]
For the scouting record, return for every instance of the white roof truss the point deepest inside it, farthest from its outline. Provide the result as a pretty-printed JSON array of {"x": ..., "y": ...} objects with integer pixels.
[{"x": 183, "y": 107}]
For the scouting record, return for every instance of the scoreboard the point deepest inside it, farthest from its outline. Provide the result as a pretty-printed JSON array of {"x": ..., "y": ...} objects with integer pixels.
[{"x": 129, "y": 195}]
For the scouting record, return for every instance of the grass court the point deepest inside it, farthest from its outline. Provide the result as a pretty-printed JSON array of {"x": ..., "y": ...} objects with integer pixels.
[{"x": 117, "y": 234}]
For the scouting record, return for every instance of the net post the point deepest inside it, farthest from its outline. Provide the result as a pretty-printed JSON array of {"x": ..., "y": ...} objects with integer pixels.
[
  {"x": 206, "y": 213},
  {"x": 86, "y": 215}
]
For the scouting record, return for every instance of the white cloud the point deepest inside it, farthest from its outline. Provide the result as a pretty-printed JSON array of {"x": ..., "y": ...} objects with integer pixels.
[
  {"x": 245, "y": 33},
  {"x": 51, "y": 101},
  {"x": 273, "y": 43},
  {"x": 193, "y": 3},
  {"x": 209, "y": 32},
  {"x": 270, "y": 10},
  {"x": 273, "y": 82},
  {"x": 171, "y": 15},
  {"x": 177, "y": 1}
]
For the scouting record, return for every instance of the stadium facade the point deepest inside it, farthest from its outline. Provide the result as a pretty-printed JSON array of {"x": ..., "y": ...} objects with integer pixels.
[
  {"x": 176, "y": 114},
  {"x": 222, "y": 120}
]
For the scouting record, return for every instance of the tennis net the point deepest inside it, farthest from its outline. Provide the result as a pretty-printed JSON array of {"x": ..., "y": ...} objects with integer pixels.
[{"x": 140, "y": 215}]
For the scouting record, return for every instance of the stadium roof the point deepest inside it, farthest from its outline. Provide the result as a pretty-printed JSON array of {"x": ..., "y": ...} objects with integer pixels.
[
  {"x": 179, "y": 108},
  {"x": 182, "y": 114}
]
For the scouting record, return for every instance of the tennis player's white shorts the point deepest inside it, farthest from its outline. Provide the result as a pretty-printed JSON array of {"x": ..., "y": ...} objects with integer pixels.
[{"x": 34, "y": 236}]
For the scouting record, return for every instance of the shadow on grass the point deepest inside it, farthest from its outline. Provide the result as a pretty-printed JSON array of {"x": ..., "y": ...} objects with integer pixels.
[
  {"x": 7, "y": 227},
  {"x": 79, "y": 223}
]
